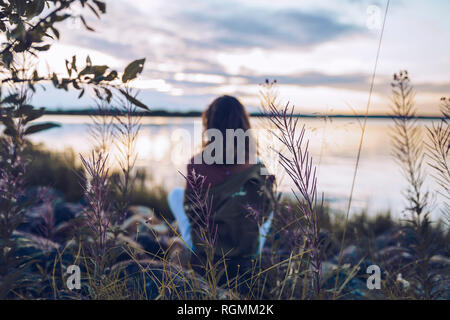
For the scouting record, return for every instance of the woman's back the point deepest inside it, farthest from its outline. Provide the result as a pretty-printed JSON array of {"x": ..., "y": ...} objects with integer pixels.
[
  {"x": 234, "y": 192},
  {"x": 239, "y": 200}
]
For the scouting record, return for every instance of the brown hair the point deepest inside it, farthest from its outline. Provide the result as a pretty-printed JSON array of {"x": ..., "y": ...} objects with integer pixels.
[{"x": 226, "y": 112}]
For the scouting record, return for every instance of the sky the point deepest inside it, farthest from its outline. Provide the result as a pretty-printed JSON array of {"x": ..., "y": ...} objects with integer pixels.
[{"x": 322, "y": 52}]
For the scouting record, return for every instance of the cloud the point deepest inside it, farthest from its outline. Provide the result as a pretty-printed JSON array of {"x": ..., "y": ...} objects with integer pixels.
[
  {"x": 180, "y": 31},
  {"x": 233, "y": 26},
  {"x": 207, "y": 47},
  {"x": 193, "y": 78}
]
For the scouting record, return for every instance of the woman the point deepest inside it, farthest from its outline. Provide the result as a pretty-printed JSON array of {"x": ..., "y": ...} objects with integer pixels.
[{"x": 237, "y": 196}]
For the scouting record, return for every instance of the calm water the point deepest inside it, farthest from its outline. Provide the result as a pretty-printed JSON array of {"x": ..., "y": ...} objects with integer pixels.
[{"x": 333, "y": 145}]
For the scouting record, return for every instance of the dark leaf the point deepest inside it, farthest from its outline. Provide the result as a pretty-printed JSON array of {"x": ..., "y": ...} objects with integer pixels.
[
  {"x": 109, "y": 95},
  {"x": 81, "y": 94},
  {"x": 7, "y": 58},
  {"x": 40, "y": 127},
  {"x": 111, "y": 76},
  {"x": 68, "y": 68},
  {"x": 133, "y": 69},
  {"x": 10, "y": 129},
  {"x": 85, "y": 24},
  {"x": 13, "y": 98},
  {"x": 34, "y": 8},
  {"x": 99, "y": 70},
  {"x": 55, "y": 80},
  {"x": 43, "y": 48},
  {"x": 100, "y": 5},
  {"x": 76, "y": 85},
  {"x": 55, "y": 32},
  {"x": 94, "y": 10},
  {"x": 24, "y": 110},
  {"x": 133, "y": 100},
  {"x": 35, "y": 114},
  {"x": 74, "y": 63},
  {"x": 59, "y": 18}
]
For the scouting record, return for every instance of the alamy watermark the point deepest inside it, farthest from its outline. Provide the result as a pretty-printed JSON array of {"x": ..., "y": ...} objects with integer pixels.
[
  {"x": 374, "y": 17},
  {"x": 234, "y": 146},
  {"x": 374, "y": 280},
  {"x": 74, "y": 279}
]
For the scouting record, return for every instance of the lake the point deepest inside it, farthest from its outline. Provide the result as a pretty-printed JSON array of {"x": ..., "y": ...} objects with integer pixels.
[{"x": 333, "y": 144}]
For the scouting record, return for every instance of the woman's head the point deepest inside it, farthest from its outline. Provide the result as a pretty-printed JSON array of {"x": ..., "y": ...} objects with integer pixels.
[{"x": 226, "y": 112}]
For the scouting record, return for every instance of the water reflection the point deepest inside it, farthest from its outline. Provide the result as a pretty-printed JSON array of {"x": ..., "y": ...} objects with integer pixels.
[{"x": 163, "y": 151}]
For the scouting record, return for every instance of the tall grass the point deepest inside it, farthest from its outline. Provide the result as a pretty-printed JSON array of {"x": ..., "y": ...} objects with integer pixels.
[
  {"x": 126, "y": 130},
  {"x": 298, "y": 164},
  {"x": 201, "y": 201},
  {"x": 294, "y": 264},
  {"x": 408, "y": 151},
  {"x": 102, "y": 215},
  {"x": 98, "y": 212},
  {"x": 15, "y": 116},
  {"x": 438, "y": 149}
]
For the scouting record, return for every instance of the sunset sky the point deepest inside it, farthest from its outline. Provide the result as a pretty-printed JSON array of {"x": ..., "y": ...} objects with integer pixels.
[{"x": 322, "y": 53}]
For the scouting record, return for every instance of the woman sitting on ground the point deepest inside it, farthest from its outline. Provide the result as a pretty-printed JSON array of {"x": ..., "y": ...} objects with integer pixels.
[{"x": 237, "y": 184}]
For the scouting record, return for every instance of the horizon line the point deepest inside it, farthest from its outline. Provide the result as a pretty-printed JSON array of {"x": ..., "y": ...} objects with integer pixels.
[{"x": 195, "y": 114}]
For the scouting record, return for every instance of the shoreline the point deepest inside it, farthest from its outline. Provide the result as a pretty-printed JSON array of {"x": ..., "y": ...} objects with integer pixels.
[{"x": 197, "y": 114}]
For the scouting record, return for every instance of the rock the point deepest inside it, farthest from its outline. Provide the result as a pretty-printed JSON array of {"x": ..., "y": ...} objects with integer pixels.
[
  {"x": 66, "y": 211},
  {"x": 45, "y": 219},
  {"x": 328, "y": 245},
  {"x": 144, "y": 218},
  {"x": 150, "y": 243},
  {"x": 395, "y": 257},
  {"x": 328, "y": 268},
  {"x": 356, "y": 287},
  {"x": 439, "y": 262},
  {"x": 351, "y": 255},
  {"x": 36, "y": 219},
  {"x": 157, "y": 274},
  {"x": 35, "y": 194},
  {"x": 160, "y": 229},
  {"x": 67, "y": 230},
  {"x": 132, "y": 224},
  {"x": 178, "y": 253},
  {"x": 28, "y": 243},
  {"x": 143, "y": 212},
  {"x": 391, "y": 252},
  {"x": 396, "y": 237}
]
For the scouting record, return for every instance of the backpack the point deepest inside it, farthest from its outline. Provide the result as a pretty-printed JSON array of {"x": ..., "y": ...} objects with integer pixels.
[{"x": 239, "y": 205}]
